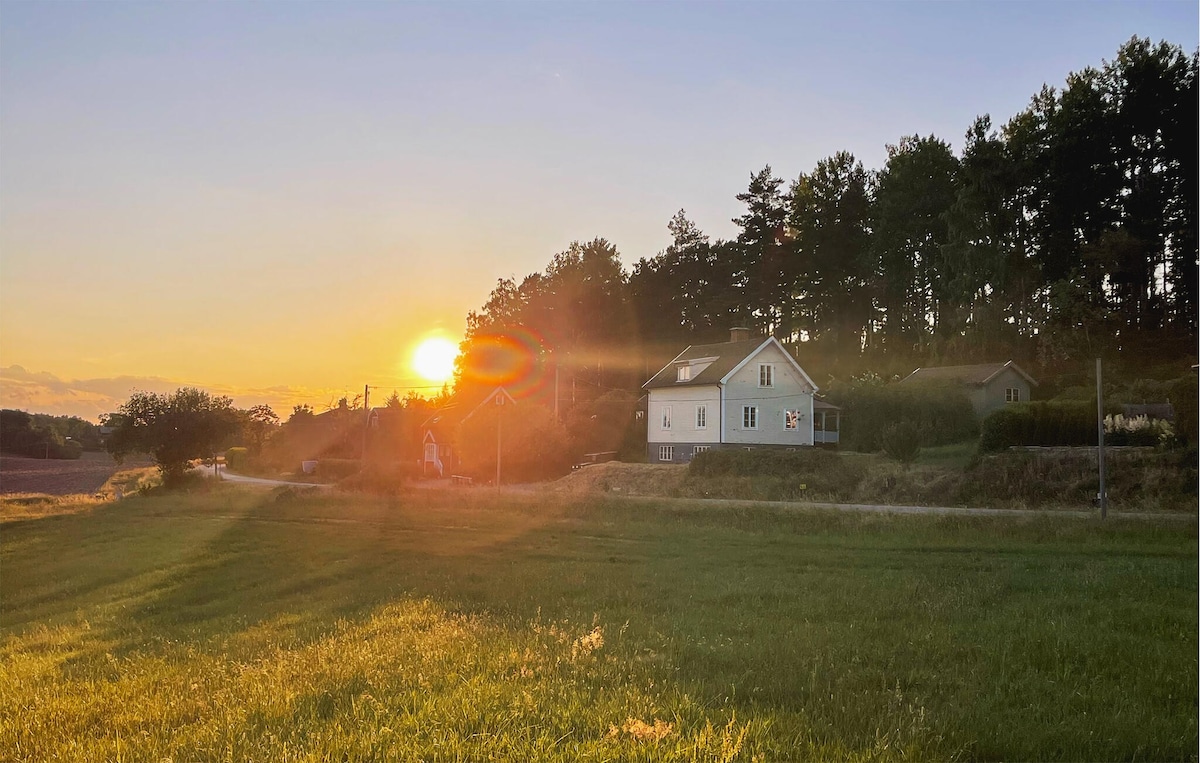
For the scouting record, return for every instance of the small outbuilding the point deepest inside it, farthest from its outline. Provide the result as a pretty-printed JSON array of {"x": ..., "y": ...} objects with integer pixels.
[{"x": 989, "y": 386}]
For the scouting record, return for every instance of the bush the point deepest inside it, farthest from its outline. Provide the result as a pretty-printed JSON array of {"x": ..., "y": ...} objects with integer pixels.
[
  {"x": 237, "y": 459},
  {"x": 1043, "y": 423},
  {"x": 940, "y": 414},
  {"x": 1136, "y": 430},
  {"x": 1183, "y": 396},
  {"x": 901, "y": 442},
  {"x": 337, "y": 468}
]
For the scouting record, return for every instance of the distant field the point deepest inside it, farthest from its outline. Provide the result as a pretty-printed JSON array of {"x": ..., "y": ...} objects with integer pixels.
[
  {"x": 462, "y": 625},
  {"x": 60, "y": 476}
]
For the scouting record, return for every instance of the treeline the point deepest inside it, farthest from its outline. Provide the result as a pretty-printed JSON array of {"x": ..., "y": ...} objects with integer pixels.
[
  {"x": 1066, "y": 233},
  {"x": 40, "y": 435}
]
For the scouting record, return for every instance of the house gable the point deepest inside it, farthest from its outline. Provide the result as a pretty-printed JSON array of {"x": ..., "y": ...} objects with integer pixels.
[{"x": 759, "y": 352}]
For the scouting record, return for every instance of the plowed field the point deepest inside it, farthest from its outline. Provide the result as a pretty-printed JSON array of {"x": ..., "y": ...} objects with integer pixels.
[{"x": 58, "y": 476}]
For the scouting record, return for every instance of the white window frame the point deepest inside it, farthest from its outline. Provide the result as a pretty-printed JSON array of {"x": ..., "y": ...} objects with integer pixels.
[
  {"x": 701, "y": 417},
  {"x": 749, "y": 417},
  {"x": 666, "y": 417},
  {"x": 683, "y": 373},
  {"x": 700, "y": 449},
  {"x": 791, "y": 420},
  {"x": 766, "y": 374},
  {"x": 1012, "y": 394},
  {"x": 430, "y": 451},
  {"x": 666, "y": 452}
]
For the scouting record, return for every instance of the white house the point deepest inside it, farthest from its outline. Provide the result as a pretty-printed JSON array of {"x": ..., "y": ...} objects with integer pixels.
[{"x": 742, "y": 393}]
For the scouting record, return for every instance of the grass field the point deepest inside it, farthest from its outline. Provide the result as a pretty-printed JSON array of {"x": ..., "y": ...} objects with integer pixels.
[{"x": 460, "y": 625}]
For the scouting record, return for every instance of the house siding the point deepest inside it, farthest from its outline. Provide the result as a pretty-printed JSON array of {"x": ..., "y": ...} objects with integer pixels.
[
  {"x": 683, "y": 433},
  {"x": 990, "y": 397},
  {"x": 790, "y": 392}
]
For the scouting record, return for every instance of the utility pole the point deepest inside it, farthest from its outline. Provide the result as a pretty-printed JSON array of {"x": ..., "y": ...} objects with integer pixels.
[
  {"x": 366, "y": 422},
  {"x": 1103, "y": 497}
]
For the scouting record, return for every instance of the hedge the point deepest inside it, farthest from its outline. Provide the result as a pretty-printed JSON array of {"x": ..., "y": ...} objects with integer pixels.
[
  {"x": 1043, "y": 423},
  {"x": 940, "y": 414}
]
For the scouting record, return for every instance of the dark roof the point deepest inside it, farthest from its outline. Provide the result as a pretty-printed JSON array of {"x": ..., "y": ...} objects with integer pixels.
[
  {"x": 821, "y": 405},
  {"x": 977, "y": 375},
  {"x": 727, "y": 354},
  {"x": 1149, "y": 410}
]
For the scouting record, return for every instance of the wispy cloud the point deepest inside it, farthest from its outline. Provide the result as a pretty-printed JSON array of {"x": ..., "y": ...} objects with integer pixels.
[{"x": 43, "y": 392}]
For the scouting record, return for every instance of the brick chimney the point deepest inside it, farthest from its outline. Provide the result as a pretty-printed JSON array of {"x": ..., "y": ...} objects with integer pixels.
[{"x": 739, "y": 334}]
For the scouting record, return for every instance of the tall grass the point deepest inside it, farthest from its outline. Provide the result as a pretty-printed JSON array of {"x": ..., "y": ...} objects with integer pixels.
[{"x": 466, "y": 625}]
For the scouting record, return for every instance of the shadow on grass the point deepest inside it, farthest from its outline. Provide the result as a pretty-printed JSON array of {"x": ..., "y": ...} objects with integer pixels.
[{"x": 746, "y": 610}]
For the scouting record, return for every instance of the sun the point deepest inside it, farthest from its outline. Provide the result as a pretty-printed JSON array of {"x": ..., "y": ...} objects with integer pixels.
[{"x": 434, "y": 359}]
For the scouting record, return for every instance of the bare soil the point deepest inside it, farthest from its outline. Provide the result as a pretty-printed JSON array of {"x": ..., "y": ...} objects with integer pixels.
[{"x": 84, "y": 475}]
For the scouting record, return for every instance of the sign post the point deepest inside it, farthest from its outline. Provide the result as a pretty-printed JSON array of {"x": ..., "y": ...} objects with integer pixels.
[{"x": 1102, "y": 498}]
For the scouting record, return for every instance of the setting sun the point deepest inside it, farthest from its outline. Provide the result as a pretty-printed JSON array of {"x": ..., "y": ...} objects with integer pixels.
[{"x": 434, "y": 359}]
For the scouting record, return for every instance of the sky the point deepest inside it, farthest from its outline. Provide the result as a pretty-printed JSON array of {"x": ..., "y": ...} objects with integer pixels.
[{"x": 279, "y": 201}]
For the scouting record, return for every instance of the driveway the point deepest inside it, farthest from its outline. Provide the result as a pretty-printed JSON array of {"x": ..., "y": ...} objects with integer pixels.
[{"x": 241, "y": 479}]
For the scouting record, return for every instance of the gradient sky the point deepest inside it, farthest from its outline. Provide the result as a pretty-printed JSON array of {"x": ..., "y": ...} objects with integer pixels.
[{"x": 278, "y": 200}]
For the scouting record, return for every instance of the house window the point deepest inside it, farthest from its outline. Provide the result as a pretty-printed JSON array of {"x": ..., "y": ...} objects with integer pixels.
[
  {"x": 791, "y": 420},
  {"x": 750, "y": 417},
  {"x": 701, "y": 417},
  {"x": 666, "y": 452},
  {"x": 430, "y": 451},
  {"x": 699, "y": 449},
  {"x": 683, "y": 373},
  {"x": 766, "y": 375},
  {"x": 666, "y": 417},
  {"x": 1012, "y": 395}
]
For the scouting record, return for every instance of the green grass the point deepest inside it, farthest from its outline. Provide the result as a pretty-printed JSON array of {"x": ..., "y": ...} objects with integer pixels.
[
  {"x": 956, "y": 456},
  {"x": 463, "y": 626}
]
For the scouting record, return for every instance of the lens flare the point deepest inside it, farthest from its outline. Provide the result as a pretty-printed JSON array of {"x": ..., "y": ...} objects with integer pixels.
[{"x": 434, "y": 359}]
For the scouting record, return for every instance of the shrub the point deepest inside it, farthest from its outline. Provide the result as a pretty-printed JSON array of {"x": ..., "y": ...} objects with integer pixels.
[
  {"x": 1043, "y": 423},
  {"x": 237, "y": 459},
  {"x": 940, "y": 414},
  {"x": 1183, "y": 396},
  {"x": 337, "y": 468},
  {"x": 901, "y": 442},
  {"x": 1136, "y": 430}
]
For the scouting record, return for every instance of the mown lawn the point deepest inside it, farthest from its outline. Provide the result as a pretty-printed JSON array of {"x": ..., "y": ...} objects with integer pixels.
[{"x": 467, "y": 626}]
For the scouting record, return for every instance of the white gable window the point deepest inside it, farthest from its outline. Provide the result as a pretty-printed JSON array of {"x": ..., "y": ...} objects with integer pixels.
[
  {"x": 701, "y": 417},
  {"x": 666, "y": 417},
  {"x": 766, "y": 374},
  {"x": 791, "y": 420},
  {"x": 1012, "y": 395},
  {"x": 666, "y": 452},
  {"x": 750, "y": 417},
  {"x": 683, "y": 373}
]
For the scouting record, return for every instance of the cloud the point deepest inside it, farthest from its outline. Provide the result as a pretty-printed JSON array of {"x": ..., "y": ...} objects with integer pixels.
[{"x": 43, "y": 392}]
